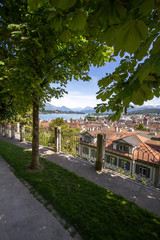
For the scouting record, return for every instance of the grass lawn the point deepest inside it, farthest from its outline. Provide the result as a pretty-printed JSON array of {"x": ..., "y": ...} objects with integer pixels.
[{"x": 96, "y": 213}]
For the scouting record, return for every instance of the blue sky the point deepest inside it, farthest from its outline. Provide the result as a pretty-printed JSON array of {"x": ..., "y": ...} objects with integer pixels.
[{"x": 82, "y": 94}]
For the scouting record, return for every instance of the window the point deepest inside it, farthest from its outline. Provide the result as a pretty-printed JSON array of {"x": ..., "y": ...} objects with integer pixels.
[
  {"x": 142, "y": 170},
  {"x": 87, "y": 139},
  {"x": 126, "y": 149},
  {"x": 123, "y": 148},
  {"x": 85, "y": 150},
  {"x": 111, "y": 160},
  {"x": 93, "y": 153},
  {"x": 114, "y": 161},
  {"x": 114, "y": 146},
  {"x": 124, "y": 164}
]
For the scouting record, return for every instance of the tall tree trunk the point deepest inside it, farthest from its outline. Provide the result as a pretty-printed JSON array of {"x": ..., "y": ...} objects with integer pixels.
[{"x": 35, "y": 139}]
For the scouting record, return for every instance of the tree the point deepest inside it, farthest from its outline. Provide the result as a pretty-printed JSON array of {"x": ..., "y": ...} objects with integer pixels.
[
  {"x": 132, "y": 28},
  {"x": 45, "y": 56},
  {"x": 7, "y": 9},
  {"x": 140, "y": 127}
]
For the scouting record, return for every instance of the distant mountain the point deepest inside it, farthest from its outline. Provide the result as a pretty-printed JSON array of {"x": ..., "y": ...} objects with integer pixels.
[
  {"x": 144, "y": 107},
  {"x": 90, "y": 110},
  {"x": 49, "y": 106},
  {"x": 63, "y": 109},
  {"x": 77, "y": 109}
]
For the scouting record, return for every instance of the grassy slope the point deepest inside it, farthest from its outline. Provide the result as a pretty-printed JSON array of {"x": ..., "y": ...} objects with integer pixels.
[{"x": 95, "y": 212}]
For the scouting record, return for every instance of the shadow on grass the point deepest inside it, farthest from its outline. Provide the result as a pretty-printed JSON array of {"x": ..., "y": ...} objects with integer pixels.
[{"x": 95, "y": 212}]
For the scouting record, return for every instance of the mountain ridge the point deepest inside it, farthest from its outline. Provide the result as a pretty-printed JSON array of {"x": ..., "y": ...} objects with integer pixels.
[{"x": 90, "y": 110}]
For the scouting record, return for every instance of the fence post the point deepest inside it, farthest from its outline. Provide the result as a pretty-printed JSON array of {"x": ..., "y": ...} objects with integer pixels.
[
  {"x": 100, "y": 152},
  {"x": 133, "y": 168},
  {"x": 22, "y": 131},
  {"x": 8, "y": 135},
  {"x": 1, "y": 132},
  {"x": 18, "y": 127},
  {"x": 57, "y": 139},
  {"x": 13, "y": 131},
  {"x": 157, "y": 177},
  {"x": 6, "y": 130}
]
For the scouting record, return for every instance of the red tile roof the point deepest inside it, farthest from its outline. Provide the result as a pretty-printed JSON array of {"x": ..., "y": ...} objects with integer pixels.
[{"x": 142, "y": 152}]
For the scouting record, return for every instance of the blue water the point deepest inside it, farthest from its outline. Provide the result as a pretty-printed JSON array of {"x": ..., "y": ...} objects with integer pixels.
[{"x": 61, "y": 115}]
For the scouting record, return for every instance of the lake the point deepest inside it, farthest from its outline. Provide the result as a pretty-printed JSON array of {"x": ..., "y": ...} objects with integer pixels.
[{"x": 61, "y": 115}]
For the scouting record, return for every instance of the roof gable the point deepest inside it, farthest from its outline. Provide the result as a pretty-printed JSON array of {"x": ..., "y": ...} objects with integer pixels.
[
  {"x": 130, "y": 140},
  {"x": 87, "y": 134}
]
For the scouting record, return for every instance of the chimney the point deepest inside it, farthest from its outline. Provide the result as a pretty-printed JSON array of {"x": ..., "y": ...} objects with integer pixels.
[{"x": 116, "y": 129}]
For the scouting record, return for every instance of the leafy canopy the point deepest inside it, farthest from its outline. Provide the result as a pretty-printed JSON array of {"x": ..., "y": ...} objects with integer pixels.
[
  {"x": 46, "y": 54},
  {"x": 132, "y": 28}
]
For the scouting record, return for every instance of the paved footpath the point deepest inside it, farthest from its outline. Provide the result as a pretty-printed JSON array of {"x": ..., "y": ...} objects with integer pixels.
[
  {"x": 144, "y": 196},
  {"x": 22, "y": 217}
]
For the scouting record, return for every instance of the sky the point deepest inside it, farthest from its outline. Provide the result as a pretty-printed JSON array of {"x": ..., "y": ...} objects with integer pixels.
[{"x": 82, "y": 94}]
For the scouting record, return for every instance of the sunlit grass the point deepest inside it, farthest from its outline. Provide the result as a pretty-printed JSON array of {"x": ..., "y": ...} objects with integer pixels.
[{"x": 96, "y": 213}]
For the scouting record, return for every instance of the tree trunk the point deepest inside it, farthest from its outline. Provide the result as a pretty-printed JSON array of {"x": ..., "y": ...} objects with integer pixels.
[{"x": 35, "y": 138}]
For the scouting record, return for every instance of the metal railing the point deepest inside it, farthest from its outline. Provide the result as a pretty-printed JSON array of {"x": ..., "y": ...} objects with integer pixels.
[
  {"x": 46, "y": 138},
  {"x": 70, "y": 142}
]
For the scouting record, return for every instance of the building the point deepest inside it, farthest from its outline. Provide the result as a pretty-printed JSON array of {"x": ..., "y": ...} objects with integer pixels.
[{"x": 126, "y": 153}]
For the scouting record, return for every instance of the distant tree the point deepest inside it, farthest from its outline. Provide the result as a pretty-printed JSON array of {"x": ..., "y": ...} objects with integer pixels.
[
  {"x": 140, "y": 127},
  {"x": 68, "y": 135},
  {"x": 59, "y": 122}
]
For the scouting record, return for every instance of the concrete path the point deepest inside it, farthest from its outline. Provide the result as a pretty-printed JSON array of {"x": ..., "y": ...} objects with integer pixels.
[
  {"x": 22, "y": 217},
  {"x": 144, "y": 196}
]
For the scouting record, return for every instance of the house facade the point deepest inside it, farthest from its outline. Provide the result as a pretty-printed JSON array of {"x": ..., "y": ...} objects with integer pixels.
[{"x": 125, "y": 153}]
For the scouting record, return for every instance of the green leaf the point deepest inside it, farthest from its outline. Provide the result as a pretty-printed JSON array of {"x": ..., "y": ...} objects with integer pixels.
[
  {"x": 78, "y": 21},
  {"x": 116, "y": 13},
  {"x": 121, "y": 11},
  {"x": 103, "y": 108},
  {"x": 64, "y": 4},
  {"x": 156, "y": 46},
  {"x": 13, "y": 26},
  {"x": 127, "y": 101},
  {"x": 129, "y": 36},
  {"x": 137, "y": 98},
  {"x": 142, "y": 29},
  {"x": 145, "y": 71},
  {"x": 16, "y": 32},
  {"x": 141, "y": 53},
  {"x": 157, "y": 67},
  {"x": 33, "y": 5},
  {"x": 105, "y": 81},
  {"x": 121, "y": 53},
  {"x": 142, "y": 94},
  {"x": 148, "y": 67},
  {"x": 2, "y": 63},
  {"x": 108, "y": 35},
  {"x": 56, "y": 22},
  {"x": 65, "y": 36},
  {"x": 146, "y": 7}
]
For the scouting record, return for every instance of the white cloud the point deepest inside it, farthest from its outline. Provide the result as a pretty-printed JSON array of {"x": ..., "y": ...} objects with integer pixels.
[
  {"x": 74, "y": 100},
  {"x": 155, "y": 101}
]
